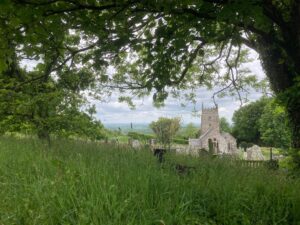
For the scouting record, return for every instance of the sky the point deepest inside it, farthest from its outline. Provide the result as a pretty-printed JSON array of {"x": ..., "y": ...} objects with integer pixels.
[{"x": 114, "y": 112}]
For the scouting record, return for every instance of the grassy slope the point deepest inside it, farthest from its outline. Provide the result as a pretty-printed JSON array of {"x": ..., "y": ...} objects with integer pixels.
[{"x": 85, "y": 183}]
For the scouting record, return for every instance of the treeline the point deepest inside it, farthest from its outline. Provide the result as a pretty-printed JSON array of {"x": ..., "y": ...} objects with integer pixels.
[
  {"x": 167, "y": 131},
  {"x": 56, "y": 120},
  {"x": 263, "y": 122}
]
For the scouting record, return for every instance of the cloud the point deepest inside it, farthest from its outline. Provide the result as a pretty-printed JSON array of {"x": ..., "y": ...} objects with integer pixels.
[{"x": 116, "y": 112}]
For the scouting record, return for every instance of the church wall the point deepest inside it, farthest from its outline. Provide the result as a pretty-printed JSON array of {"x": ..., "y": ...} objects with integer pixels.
[
  {"x": 232, "y": 141},
  {"x": 223, "y": 145},
  {"x": 222, "y": 142},
  {"x": 194, "y": 143},
  {"x": 214, "y": 134}
]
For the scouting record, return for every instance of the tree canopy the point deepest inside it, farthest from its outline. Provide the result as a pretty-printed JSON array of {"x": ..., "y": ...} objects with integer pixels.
[
  {"x": 262, "y": 122},
  {"x": 39, "y": 92},
  {"x": 163, "y": 46},
  {"x": 246, "y": 125},
  {"x": 224, "y": 125},
  {"x": 165, "y": 129},
  {"x": 274, "y": 127}
]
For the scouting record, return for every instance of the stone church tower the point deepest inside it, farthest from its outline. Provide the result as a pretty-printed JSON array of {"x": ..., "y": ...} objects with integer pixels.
[
  {"x": 210, "y": 119},
  {"x": 212, "y": 139}
]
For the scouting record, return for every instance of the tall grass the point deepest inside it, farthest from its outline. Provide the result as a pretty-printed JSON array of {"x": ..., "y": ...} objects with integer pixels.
[{"x": 88, "y": 183}]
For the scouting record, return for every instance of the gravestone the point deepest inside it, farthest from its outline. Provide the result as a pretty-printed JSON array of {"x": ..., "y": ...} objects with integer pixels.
[
  {"x": 254, "y": 153},
  {"x": 136, "y": 144}
]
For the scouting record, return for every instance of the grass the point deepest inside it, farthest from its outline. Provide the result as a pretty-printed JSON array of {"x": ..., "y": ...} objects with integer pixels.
[
  {"x": 88, "y": 183},
  {"x": 275, "y": 151}
]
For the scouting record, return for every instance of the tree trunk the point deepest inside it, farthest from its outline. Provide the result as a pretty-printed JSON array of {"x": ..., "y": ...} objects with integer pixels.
[
  {"x": 294, "y": 115},
  {"x": 293, "y": 109},
  {"x": 43, "y": 132},
  {"x": 281, "y": 64},
  {"x": 44, "y": 135}
]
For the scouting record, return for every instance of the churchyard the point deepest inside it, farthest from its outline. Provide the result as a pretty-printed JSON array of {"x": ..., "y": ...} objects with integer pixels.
[
  {"x": 134, "y": 178},
  {"x": 78, "y": 182},
  {"x": 70, "y": 67}
]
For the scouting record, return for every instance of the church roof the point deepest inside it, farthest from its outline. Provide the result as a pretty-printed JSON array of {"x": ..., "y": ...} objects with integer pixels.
[
  {"x": 223, "y": 134},
  {"x": 207, "y": 132},
  {"x": 227, "y": 134}
]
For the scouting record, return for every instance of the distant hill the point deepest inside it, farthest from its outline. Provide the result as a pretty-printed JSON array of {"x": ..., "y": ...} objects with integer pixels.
[
  {"x": 126, "y": 127},
  {"x": 136, "y": 127}
]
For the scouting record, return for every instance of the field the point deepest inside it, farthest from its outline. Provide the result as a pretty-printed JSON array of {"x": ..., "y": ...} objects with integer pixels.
[
  {"x": 89, "y": 183},
  {"x": 125, "y": 128},
  {"x": 275, "y": 152}
]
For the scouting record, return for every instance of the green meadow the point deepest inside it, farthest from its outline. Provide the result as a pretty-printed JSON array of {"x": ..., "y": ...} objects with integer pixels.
[{"x": 91, "y": 183}]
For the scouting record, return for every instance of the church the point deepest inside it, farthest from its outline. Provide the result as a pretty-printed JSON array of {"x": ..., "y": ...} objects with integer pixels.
[{"x": 212, "y": 139}]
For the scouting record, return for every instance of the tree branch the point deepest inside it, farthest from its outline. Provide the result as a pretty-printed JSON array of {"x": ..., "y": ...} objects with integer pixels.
[
  {"x": 189, "y": 63},
  {"x": 271, "y": 11},
  {"x": 74, "y": 53}
]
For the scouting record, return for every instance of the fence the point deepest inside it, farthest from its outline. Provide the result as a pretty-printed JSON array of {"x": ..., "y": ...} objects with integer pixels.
[{"x": 272, "y": 164}]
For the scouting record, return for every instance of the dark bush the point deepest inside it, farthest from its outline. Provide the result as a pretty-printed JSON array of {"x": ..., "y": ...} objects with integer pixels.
[
  {"x": 180, "y": 141},
  {"x": 139, "y": 136}
]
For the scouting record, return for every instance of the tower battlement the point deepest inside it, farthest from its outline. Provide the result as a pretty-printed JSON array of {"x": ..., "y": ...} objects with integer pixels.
[{"x": 209, "y": 109}]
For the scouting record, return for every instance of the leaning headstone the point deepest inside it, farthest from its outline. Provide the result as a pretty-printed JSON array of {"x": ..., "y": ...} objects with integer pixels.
[
  {"x": 181, "y": 150},
  {"x": 152, "y": 142},
  {"x": 254, "y": 153},
  {"x": 159, "y": 154},
  {"x": 244, "y": 156},
  {"x": 135, "y": 144},
  {"x": 202, "y": 152},
  {"x": 114, "y": 141}
]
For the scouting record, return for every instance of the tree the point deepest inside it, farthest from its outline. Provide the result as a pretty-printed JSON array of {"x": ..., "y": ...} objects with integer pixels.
[
  {"x": 246, "y": 121},
  {"x": 244, "y": 145},
  {"x": 50, "y": 94},
  {"x": 189, "y": 131},
  {"x": 167, "y": 45},
  {"x": 224, "y": 125},
  {"x": 262, "y": 122},
  {"x": 165, "y": 129},
  {"x": 273, "y": 126}
]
